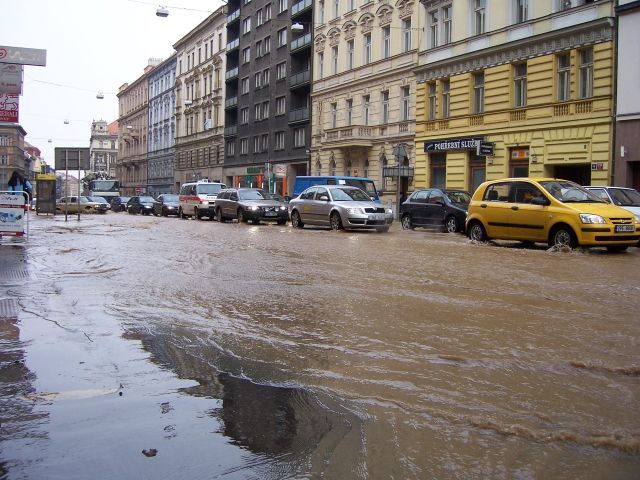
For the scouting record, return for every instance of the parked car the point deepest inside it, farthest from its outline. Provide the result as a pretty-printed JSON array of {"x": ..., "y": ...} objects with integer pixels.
[
  {"x": 140, "y": 204},
  {"x": 250, "y": 205},
  {"x": 557, "y": 212},
  {"x": 627, "y": 198},
  {"x": 339, "y": 206},
  {"x": 197, "y": 199},
  {"x": 119, "y": 204},
  {"x": 101, "y": 200},
  {"x": 82, "y": 204},
  {"x": 434, "y": 207},
  {"x": 166, "y": 204}
]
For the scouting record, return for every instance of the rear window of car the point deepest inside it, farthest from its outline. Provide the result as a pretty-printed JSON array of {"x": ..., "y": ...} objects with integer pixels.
[{"x": 497, "y": 192}]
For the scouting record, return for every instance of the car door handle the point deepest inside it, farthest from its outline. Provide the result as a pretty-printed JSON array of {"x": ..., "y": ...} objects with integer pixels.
[
  {"x": 515, "y": 207},
  {"x": 483, "y": 205}
]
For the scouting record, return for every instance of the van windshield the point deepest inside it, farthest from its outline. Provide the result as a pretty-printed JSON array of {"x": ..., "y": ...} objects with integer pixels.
[
  {"x": 209, "y": 188},
  {"x": 366, "y": 185}
]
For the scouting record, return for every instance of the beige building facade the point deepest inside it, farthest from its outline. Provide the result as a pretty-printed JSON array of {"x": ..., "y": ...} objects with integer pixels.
[
  {"x": 200, "y": 93},
  {"x": 364, "y": 90}
]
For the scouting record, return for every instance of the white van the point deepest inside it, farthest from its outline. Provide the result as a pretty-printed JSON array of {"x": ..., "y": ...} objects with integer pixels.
[{"x": 197, "y": 199}]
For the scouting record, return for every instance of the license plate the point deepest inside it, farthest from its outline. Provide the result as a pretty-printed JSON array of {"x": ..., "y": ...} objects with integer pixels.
[
  {"x": 269, "y": 214},
  {"x": 625, "y": 228},
  {"x": 376, "y": 216}
]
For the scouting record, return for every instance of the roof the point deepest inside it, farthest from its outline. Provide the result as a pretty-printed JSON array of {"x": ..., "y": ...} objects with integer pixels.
[{"x": 112, "y": 128}]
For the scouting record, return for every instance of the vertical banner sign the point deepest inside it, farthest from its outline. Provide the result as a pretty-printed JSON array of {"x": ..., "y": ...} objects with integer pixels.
[
  {"x": 12, "y": 214},
  {"x": 11, "y": 78},
  {"x": 8, "y": 108}
]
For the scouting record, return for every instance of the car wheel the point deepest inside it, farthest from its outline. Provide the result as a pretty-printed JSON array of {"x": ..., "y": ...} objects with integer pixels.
[
  {"x": 477, "y": 232},
  {"x": 563, "y": 236},
  {"x": 164, "y": 214},
  {"x": 296, "y": 222},
  {"x": 406, "y": 223},
  {"x": 451, "y": 224},
  {"x": 617, "y": 248},
  {"x": 282, "y": 222},
  {"x": 334, "y": 221},
  {"x": 197, "y": 214},
  {"x": 240, "y": 216}
]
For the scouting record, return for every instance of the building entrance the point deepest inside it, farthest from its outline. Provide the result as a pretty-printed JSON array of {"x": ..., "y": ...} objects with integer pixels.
[{"x": 580, "y": 174}]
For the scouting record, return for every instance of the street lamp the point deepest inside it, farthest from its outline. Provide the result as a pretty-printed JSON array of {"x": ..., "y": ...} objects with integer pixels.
[
  {"x": 297, "y": 27},
  {"x": 162, "y": 11}
]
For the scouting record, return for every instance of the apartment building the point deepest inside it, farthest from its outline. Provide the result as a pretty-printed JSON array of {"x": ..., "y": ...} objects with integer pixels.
[
  {"x": 199, "y": 89},
  {"x": 133, "y": 125},
  {"x": 535, "y": 78},
  {"x": 364, "y": 91},
  {"x": 268, "y": 80},
  {"x": 103, "y": 147},
  {"x": 12, "y": 152},
  {"x": 162, "y": 128}
]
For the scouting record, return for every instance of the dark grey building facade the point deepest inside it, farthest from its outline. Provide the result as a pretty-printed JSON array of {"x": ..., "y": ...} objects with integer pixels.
[{"x": 268, "y": 88}]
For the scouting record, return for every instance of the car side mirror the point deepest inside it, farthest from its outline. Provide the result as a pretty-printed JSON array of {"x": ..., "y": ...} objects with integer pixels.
[
  {"x": 540, "y": 201},
  {"x": 324, "y": 198}
]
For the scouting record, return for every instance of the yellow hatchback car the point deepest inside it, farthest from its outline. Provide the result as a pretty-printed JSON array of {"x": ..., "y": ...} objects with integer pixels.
[{"x": 547, "y": 210}]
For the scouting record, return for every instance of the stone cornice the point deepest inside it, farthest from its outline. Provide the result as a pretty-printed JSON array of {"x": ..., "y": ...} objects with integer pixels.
[{"x": 590, "y": 33}]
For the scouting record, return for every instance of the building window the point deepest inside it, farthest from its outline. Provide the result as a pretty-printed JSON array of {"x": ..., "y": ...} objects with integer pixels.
[
  {"x": 386, "y": 42},
  {"x": 246, "y": 55},
  {"x": 280, "y": 105},
  {"x": 318, "y": 168},
  {"x": 350, "y": 53},
  {"x": 321, "y": 11},
  {"x": 231, "y": 148},
  {"x": 446, "y": 86},
  {"x": 479, "y": 16},
  {"x": 586, "y": 73},
  {"x": 265, "y": 142},
  {"x": 320, "y": 65},
  {"x": 266, "y": 45},
  {"x": 446, "y": 16},
  {"x": 244, "y": 85},
  {"x": 334, "y": 115},
  {"x": 256, "y": 144},
  {"x": 257, "y": 113},
  {"x": 433, "y": 28},
  {"x": 332, "y": 167},
  {"x": 281, "y": 71},
  {"x": 477, "y": 171},
  {"x": 299, "y": 137},
  {"x": 279, "y": 140},
  {"x": 282, "y": 37},
  {"x": 267, "y": 12},
  {"x": 265, "y": 109},
  {"x": 244, "y": 116},
  {"x": 366, "y": 107},
  {"x": 257, "y": 79},
  {"x": 334, "y": 60},
  {"x": 564, "y": 75},
  {"x": 336, "y": 8},
  {"x": 406, "y": 34},
  {"x": 406, "y": 102},
  {"x": 438, "y": 170},
  {"x": 521, "y": 10},
  {"x": 367, "y": 48},
  {"x": 258, "y": 48},
  {"x": 349, "y": 111},
  {"x": 282, "y": 5},
  {"x": 259, "y": 17},
  {"x": 520, "y": 85},
  {"x": 246, "y": 25},
  {"x": 385, "y": 106},
  {"x": 432, "y": 100},
  {"x": 265, "y": 77},
  {"x": 244, "y": 146},
  {"x": 478, "y": 93},
  {"x": 352, "y": 5}
]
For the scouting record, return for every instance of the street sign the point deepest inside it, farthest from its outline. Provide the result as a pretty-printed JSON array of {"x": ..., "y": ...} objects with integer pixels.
[
  {"x": 485, "y": 149},
  {"x": 72, "y": 158},
  {"x": 11, "y": 78},
  {"x": 23, "y": 56}
]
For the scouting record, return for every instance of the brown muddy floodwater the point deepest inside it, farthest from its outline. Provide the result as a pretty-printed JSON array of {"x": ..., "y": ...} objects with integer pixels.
[{"x": 242, "y": 351}]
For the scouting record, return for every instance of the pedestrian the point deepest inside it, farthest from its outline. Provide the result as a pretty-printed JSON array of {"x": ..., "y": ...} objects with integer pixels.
[{"x": 17, "y": 183}]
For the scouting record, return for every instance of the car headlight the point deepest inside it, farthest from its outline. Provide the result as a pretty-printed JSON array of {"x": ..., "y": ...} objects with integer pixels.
[
  {"x": 254, "y": 208},
  {"x": 390, "y": 211},
  {"x": 591, "y": 218},
  {"x": 637, "y": 218},
  {"x": 205, "y": 203},
  {"x": 354, "y": 211},
  {"x": 283, "y": 207}
]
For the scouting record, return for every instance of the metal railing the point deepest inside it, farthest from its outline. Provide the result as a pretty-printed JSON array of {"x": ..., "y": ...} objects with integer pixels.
[{"x": 302, "y": 41}]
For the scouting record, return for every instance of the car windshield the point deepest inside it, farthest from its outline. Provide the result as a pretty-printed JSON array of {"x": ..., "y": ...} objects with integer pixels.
[
  {"x": 253, "y": 195},
  {"x": 349, "y": 195},
  {"x": 98, "y": 199},
  {"x": 85, "y": 200},
  {"x": 209, "y": 188},
  {"x": 569, "y": 192},
  {"x": 171, "y": 198},
  {"x": 146, "y": 199},
  {"x": 625, "y": 197},
  {"x": 458, "y": 196}
]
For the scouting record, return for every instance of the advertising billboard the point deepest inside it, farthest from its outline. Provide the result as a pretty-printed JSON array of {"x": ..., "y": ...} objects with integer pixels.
[{"x": 8, "y": 108}]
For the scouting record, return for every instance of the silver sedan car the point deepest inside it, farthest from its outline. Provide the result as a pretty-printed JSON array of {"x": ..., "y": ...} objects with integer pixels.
[{"x": 339, "y": 206}]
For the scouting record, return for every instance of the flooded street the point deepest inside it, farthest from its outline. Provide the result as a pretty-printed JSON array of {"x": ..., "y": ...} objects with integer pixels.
[{"x": 260, "y": 351}]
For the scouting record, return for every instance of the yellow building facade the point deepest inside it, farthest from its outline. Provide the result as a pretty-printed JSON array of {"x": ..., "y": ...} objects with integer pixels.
[{"x": 536, "y": 83}]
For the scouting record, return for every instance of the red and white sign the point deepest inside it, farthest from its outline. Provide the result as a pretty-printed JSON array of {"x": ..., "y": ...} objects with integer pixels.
[{"x": 8, "y": 108}]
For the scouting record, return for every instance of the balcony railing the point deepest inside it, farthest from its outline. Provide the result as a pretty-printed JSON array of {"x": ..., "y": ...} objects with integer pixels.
[
  {"x": 233, "y": 16},
  {"x": 475, "y": 120},
  {"x": 518, "y": 115},
  {"x": 231, "y": 131},
  {"x": 300, "y": 6},
  {"x": 231, "y": 102},
  {"x": 300, "y": 78},
  {"x": 301, "y": 42},
  {"x": 561, "y": 110},
  {"x": 231, "y": 73},
  {"x": 584, "y": 107},
  {"x": 299, "y": 115},
  {"x": 233, "y": 44}
]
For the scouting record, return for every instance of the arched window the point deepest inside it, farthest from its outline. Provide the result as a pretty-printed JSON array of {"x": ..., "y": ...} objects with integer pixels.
[{"x": 348, "y": 168}]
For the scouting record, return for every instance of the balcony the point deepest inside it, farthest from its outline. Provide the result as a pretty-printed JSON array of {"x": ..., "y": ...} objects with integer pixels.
[
  {"x": 232, "y": 17},
  {"x": 300, "y": 78},
  {"x": 231, "y": 102},
  {"x": 352, "y": 136},
  {"x": 301, "y": 42},
  {"x": 231, "y": 131},
  {"x": 233, "y": 44},
  {"x": 300, "y": 7},
  {"x": 231, "y": 74},
  {"x": 299, "y": 115}
]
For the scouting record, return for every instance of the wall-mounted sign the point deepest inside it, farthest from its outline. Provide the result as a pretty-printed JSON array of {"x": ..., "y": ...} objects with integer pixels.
[
  {"x": 23, "y": 56},
  {"x": 485, "y": 149},
  {"x": 8, "y": 108},
  {"x": 280, "y": 169},
  {"x": 452, "y": 144},
  {"x": 597, "y": 166},
  {"x": 11, "y": 78},
  {"x": 254, "y": 170},
  {"x": 72, "y": 158}
]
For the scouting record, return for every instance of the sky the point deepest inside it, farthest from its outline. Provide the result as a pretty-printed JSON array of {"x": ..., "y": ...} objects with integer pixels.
[{"x": 92, "y": 46}]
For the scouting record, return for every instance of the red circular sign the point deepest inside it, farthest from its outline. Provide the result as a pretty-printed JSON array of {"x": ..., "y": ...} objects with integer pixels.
[{"x": 3, "y": 52}]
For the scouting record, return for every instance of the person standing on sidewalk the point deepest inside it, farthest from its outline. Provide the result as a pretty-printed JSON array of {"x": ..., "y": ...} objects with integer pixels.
[{"x": 17, "y": 183}]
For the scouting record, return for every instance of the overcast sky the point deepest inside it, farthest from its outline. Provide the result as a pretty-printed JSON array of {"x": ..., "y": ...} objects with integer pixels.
[{"x": 92, "y": 46}]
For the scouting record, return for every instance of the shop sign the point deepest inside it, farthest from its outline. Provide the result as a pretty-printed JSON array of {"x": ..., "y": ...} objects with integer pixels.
[
  {"x": 452, "y": 144},
  {"x": 485, "y": 149},
  {"x": 520, "y": 154},
  {"x": 11, "y": 78},
  {"x": 280, "y": 169},
  {"x": 254, "y": 170},
  {"x": 597, "y": 166},
  {"x": 8, "y": 108}
]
